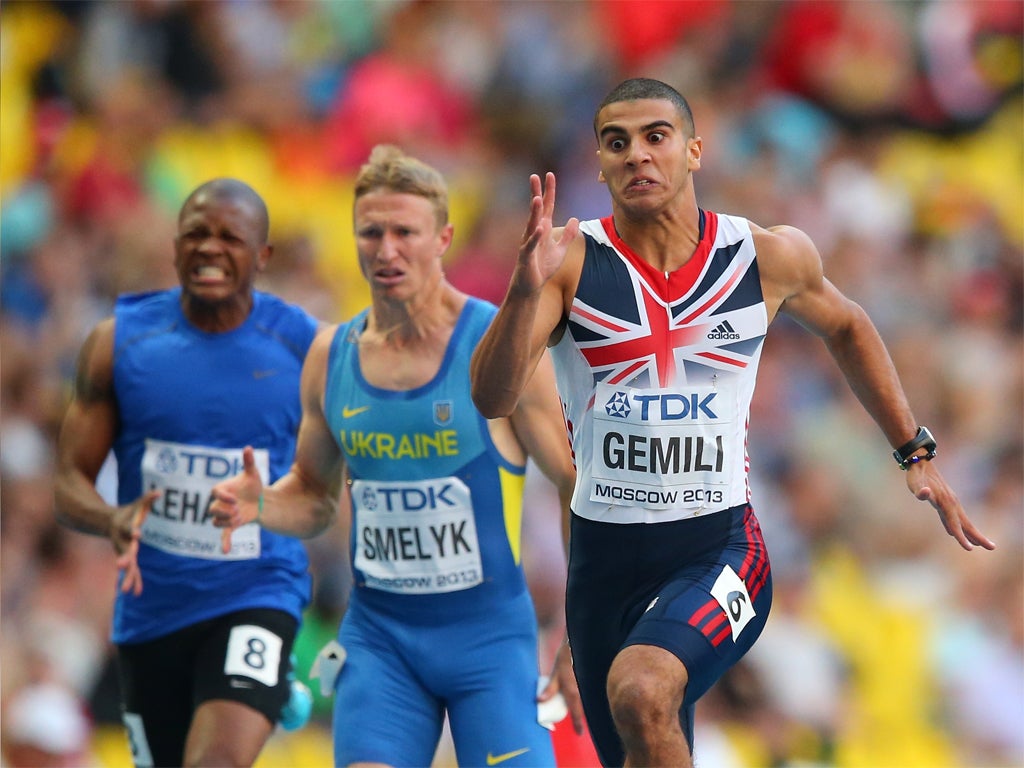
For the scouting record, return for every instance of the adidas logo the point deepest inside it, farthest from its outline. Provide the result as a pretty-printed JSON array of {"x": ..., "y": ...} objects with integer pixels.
[{"x": 724, "y": 331}]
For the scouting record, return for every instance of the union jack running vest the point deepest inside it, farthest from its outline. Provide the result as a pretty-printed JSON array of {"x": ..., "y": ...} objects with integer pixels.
[{"x": 656, "y": 372}]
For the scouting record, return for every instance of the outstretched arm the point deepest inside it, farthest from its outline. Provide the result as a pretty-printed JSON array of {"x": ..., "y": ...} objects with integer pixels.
[
  {"x": 852, "y": 339},
  {"x": 305, "y": 500},
  {"x": 508, "y": 353}
]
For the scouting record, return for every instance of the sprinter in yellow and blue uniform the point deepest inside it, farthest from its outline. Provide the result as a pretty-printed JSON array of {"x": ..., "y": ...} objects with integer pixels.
[
  {"x": 440, "y": 615},
  {"x": 440, "y": 620}
]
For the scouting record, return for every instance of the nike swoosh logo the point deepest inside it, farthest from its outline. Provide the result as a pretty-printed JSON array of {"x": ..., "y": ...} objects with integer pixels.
[
  {"x": 264, "y": 374},
  {"x": 495, "y": 759},
  {"x": 347, "y": 413}
]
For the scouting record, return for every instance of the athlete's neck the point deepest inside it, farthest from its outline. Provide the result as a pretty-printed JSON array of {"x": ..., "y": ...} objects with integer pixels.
[
  {"x": 666, "y": 240},
  {"x": 428, "y": 314}
]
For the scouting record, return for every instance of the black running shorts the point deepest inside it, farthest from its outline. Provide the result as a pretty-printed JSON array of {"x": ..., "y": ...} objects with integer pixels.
[{"x": 242, "y": 656}]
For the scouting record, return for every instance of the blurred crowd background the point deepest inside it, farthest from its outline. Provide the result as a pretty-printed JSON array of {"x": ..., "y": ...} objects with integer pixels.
[{"x": 890, "y": 131}]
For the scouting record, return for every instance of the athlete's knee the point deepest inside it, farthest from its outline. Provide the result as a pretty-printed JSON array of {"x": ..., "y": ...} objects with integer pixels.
[
  {"x": 640, "y": 704},
  {"x": 221, "y": 757},
  {"x": 645, "y": 692}
]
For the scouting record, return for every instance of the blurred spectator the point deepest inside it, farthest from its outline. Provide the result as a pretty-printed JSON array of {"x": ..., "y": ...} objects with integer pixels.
[
  {"x": 399, "y": 95},
  {"x": 944, "y": 66},
  {"x": 482, "y": 266},
  {"x": 179, "y": 44},
  {"x": 983, "y": 621},
  {"x": 971, "y": 61},
  {"x": 855, "y": 59},
  {"x": 641, "y": 30},
  {"x": 44, "y": 724}
]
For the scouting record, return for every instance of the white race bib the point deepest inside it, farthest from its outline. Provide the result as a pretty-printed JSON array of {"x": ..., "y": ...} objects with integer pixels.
[
  {"x": 731, "y": 593},
  {"x": 416, "y": 537},
  {"x": 255, "y": 652},
  {"x": 664, "y": 448},
  {"x": 179, "y": 521}
]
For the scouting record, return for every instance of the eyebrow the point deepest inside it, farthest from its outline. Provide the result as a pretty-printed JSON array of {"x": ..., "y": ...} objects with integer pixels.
[{"x": 643, "y": 129}]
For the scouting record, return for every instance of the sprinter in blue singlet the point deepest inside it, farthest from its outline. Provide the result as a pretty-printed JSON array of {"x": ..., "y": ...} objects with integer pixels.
[{"x": 176, "y": 384}]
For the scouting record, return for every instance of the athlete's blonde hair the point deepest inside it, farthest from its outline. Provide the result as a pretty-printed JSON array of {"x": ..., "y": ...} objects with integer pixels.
[{"x": 389, "y": 168}]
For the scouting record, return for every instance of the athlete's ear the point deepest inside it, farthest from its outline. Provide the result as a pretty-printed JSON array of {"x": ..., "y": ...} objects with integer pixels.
[
  {"x": 263, "y": 257},
  {"x": 694, "y": 149}
]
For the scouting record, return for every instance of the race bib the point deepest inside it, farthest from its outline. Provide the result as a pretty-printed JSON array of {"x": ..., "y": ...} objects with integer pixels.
[
  {"x": 664, "y": 448},
  {"x": 180, "y": 522},
  {"x": 255, "y": 652},
  {"x": 731, "y": 593},
  {"x": 416, "y": 537}
]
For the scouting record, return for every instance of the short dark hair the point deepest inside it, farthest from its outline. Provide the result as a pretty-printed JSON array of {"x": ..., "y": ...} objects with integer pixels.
[
  {"x": 236, "y": 191},
  {"x": 647, "y": 88}
]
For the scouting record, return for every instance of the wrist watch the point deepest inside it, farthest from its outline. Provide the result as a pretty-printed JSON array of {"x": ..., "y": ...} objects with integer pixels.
[{"x": 923, "y": 439}]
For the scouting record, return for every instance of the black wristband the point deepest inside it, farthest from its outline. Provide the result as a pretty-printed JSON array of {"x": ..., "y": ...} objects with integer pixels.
[{"x": 923, "y": 439}]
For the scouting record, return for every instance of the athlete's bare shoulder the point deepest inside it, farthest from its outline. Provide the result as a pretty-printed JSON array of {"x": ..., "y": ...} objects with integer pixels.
[
  {"x": 313, "y": 383},
  {"x": 94, "y": 375},
  {"x": 788, "y": 261},
  {"x": 324, "y": 337}
]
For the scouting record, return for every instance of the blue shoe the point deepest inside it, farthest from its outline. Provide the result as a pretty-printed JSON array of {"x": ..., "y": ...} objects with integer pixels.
[
  {"x": 296, "y": 712},
  {"x": 299, "y": 706}
]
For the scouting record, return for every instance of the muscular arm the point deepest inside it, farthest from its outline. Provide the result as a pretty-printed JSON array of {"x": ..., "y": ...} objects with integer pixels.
[
  {"x": 86, "y": 436},
  {"x": 794, "y": 283},
  {"x": 843, "y": 325},
  {"x": 304, "y": 501},
  {"x": 87, "y": 433},
  {"x": 532, "y": 311}
]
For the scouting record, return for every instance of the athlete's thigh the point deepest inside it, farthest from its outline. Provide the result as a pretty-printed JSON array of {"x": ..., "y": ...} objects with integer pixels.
[
  {"x": 710, "y": 613},
  {"x": 245, "y": 657},
  {"x": 382, "y": 712},
  {"x": 493, "y": 710},
  {"x": 156, "y": 690},
  {"x": 625, "y": 587}
]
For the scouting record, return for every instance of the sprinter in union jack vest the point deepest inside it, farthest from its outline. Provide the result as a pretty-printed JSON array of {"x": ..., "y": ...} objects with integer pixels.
[{"x": 656, "y": 317}]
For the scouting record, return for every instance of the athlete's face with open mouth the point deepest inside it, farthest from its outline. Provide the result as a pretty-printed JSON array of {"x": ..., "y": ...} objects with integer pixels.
[
  {"x": 219, "y": 248},
  {"x": 645, "y": 151},
  {"x": 400, "y": 242}
]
